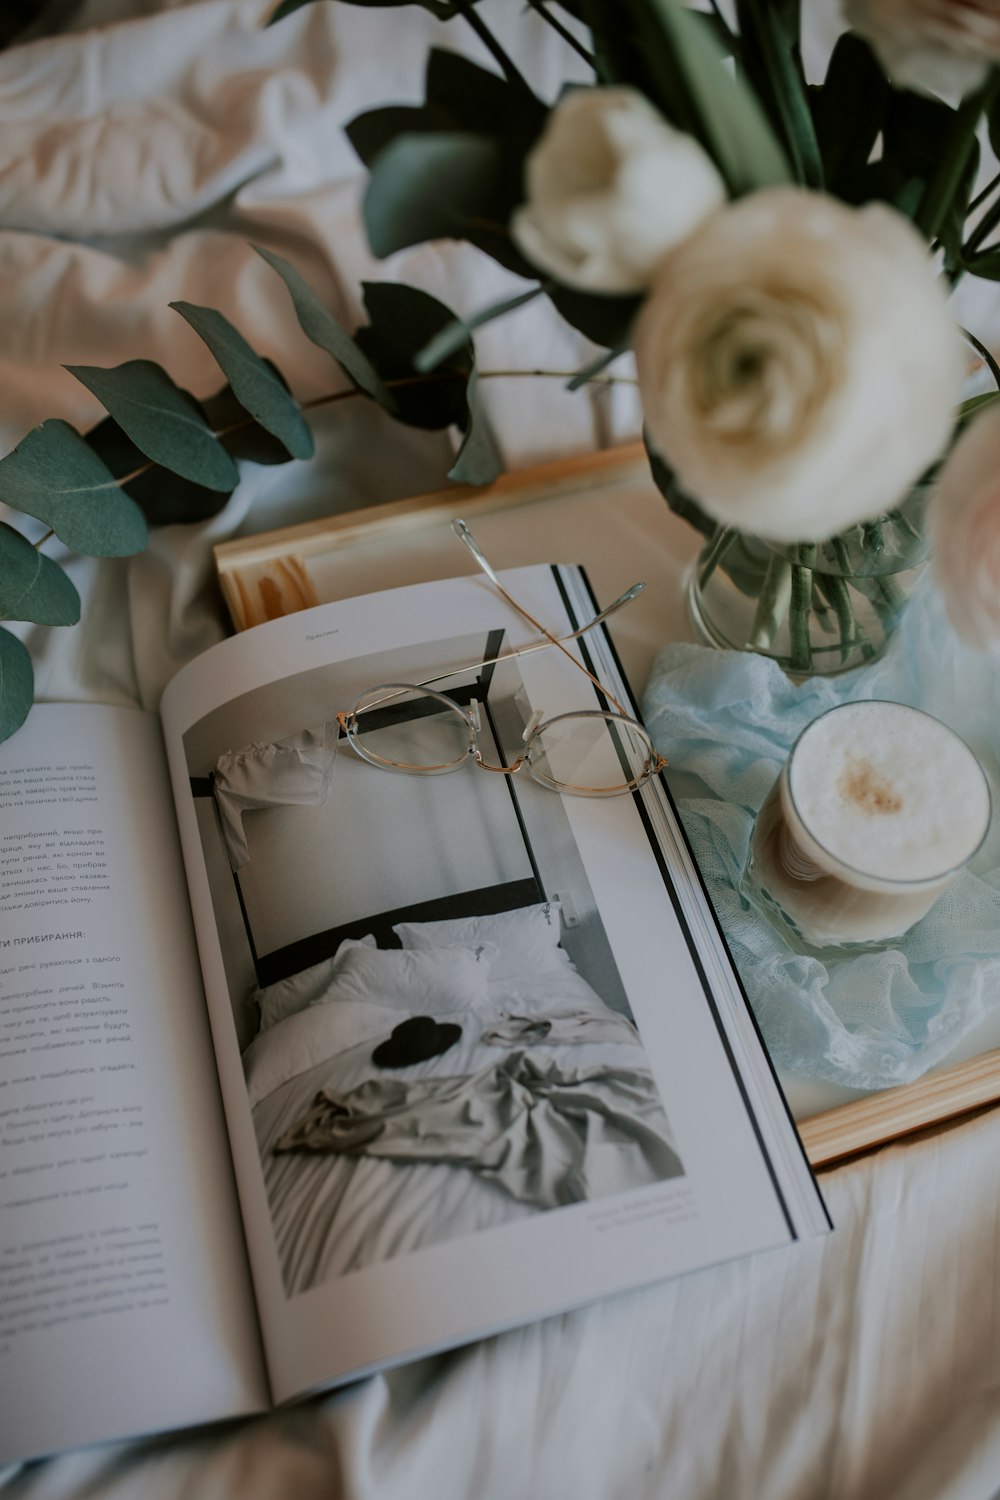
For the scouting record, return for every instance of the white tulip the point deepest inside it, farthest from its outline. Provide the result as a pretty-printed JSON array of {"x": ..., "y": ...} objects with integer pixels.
[
  {"x": 798, "y": 365},
  {"x": 611, "y": 187},
  {"x": 964, "y": 521},
  {"x": 937, "y": 46}
]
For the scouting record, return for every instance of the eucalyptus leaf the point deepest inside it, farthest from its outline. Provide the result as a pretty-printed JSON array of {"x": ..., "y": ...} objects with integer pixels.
[
  {"x": 253, "y": 381},
  {"x": 17, "y": 684},
  {"x": 163, "y": 421},
  {"x": 477, "y": 461},
  {"x": 164, "y": 498},
  {"x": 605, "y": 320},
  {"x": 458, "y": 333},
  {"x": 32, "y": 586},
  {"x": 321, "y": 327},
  {"x": 370, "y": 132},
  {"x": 53, "y": 475},
  {"x": 402, "y": 320},
  {"x": 430, "y": 186}
]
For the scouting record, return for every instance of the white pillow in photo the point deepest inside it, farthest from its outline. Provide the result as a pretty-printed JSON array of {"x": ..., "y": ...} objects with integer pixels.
[
  {"x": 443, "y": 981},
  {"x": 527, "y": 938},
  {"x": 313, "y": 1036},
  {"x": 288, "y": 996}
]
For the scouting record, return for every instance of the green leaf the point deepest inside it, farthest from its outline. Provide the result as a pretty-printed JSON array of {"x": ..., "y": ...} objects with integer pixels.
[
  {"x": 53, "y": 475},
  {"x": 17, "y": 684},
  {"x": 458, "y": 333},
  {"x": 666, "y": 50},
  {"x": 986, "y": 265},
  {"x": 477, "y": 461},
  {"x": 370, "y": 132},
  {"x": 849, "y": 110},
  {"x": 33, "y": 587},
  {"x": 769, "y": 36},
  {"x": 163, "y": 421},
  {"x": 604, "y": 320},
  {"x": 402, "y": 320},
  {"x": 321, "y": 327},
  {"x": 955, "y": 148},
  {"x": 253, "y": 382},
  {"x": 429, "y": 186},
  {"x": 481, "y": 101},
  {"x": 164, "y": 498}
]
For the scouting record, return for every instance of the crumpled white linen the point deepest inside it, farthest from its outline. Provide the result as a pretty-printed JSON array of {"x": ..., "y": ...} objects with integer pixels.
[
  {"x": 139, "y": 163},
  {"x": 857, "y": 1368}
]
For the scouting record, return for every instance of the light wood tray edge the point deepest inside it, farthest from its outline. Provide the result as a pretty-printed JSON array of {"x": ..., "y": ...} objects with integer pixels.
[
  {"x": 873, "y": 1121},
  {"x": 254, "y": 572}
]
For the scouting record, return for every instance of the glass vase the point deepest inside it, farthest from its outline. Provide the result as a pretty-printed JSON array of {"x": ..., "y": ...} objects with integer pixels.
[
  {"x": 814, "y": 608},
  {"x": 820, "y": 607}
]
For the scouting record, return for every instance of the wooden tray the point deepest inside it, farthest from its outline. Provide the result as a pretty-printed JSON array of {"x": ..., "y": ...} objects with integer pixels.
[{"x": 279, "y": 572}]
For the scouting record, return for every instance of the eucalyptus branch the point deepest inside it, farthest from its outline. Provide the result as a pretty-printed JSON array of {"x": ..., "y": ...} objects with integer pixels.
[
  {"x": 469, "y": 13},
  {"x": 402, "y": 382},
  {"x": 43, "y": 539},
  {"x": 540, "y": 9}
]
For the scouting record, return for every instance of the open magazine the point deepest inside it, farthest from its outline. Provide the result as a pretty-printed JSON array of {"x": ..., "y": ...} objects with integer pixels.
[{"x": 307, "y": 1066}]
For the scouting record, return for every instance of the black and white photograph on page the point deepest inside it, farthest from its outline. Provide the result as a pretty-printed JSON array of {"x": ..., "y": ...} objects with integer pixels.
[{"x": 435, "y": 1036}]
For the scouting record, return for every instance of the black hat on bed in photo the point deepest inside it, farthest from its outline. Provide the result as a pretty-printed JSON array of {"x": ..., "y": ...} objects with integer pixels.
[{"x": 415, "y": 1040}]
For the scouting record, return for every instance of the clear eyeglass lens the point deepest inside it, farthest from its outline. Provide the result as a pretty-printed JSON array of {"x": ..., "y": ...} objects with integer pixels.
[
  {"x": 410, "y": 729},
  {"x": 597, "y": 754}
]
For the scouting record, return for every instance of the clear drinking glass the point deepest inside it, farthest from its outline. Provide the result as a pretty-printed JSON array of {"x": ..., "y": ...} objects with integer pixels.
[{"x": 874, "y": 813}]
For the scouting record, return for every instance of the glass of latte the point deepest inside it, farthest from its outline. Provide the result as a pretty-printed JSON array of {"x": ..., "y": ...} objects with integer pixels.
[{"x": 874, "y": 813}]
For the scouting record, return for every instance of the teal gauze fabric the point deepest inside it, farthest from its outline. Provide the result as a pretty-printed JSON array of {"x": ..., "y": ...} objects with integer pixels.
[{"x": 726, "y": 720}]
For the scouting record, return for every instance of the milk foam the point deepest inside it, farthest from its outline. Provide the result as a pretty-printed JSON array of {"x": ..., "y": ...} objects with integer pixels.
[{"x": 888, "y": 791}]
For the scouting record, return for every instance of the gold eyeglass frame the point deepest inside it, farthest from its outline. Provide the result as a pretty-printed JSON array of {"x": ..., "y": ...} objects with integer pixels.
[{"x": 654, "y": 762}]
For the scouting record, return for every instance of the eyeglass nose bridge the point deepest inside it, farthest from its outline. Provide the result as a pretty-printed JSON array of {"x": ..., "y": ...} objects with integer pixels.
[{"x": 474, "y": 717}]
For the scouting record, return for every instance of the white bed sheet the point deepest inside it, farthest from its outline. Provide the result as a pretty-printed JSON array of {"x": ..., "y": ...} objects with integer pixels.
[
  {"x": 135, "y": 163},
  {"x": 336, "y": 1214}
]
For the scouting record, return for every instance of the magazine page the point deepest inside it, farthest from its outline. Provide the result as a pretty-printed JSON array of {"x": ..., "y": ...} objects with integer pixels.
[
  {"x": 124, "y": 1294},
  {"x": 471, "y": 1068}
]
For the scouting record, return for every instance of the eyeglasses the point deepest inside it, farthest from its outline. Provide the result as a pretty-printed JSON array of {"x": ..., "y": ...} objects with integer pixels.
[{"x": 415, "y": 729}]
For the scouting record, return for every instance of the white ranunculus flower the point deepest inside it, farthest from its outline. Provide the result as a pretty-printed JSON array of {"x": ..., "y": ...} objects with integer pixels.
[
  {"x": 798, "y": 364},
  {"x": 938, "y": 46},
  {"x": 964, "y": 520},
  {"x": 611, "y": 187}
]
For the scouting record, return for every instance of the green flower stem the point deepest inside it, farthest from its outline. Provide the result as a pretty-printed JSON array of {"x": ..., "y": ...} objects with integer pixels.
[
  {"x": 798, "y": 619},
  {"x": 874, "y": 538},
  {"x": 466, "y": 9},
  {"x": 836, "y": 591},
  {"x": 772, "y": 603},
  {"x": 719, "y": 546},
  {"x": 541, "y": 9},
  {"x": 839, "y": 548}
]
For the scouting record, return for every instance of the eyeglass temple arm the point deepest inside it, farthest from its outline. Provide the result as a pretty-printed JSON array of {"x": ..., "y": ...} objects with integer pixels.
[{"x": 463, "y": 533}]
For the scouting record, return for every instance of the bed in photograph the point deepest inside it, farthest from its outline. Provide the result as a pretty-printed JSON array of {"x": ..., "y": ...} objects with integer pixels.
[{"x": 543, "y": 1096}]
